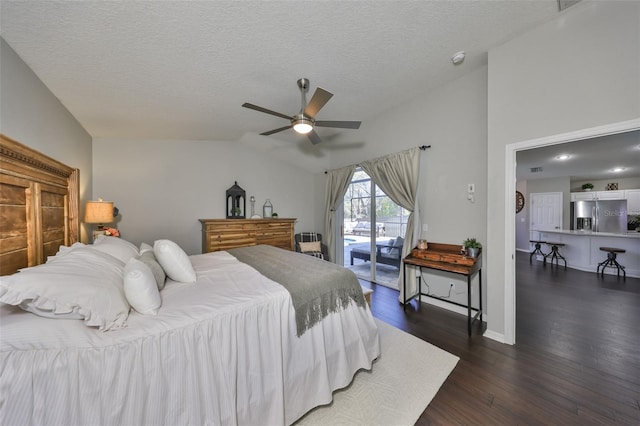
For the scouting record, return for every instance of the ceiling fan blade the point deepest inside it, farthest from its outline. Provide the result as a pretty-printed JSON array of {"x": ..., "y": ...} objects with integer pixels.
[
  {"x": 267, "y": 111},
  {"x": 318, "y": 100},
  {"x": 313, "y": 137},
  {"x": 270, "y": 132},
  {"x": 339, "y": 124}
]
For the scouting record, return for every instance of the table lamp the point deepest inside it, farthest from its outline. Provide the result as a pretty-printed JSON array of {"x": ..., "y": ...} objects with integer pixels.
[{"x": 99, "y": 212}]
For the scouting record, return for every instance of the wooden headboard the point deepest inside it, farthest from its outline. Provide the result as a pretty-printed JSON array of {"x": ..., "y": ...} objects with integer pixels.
[{"x": 39, "y": 206}]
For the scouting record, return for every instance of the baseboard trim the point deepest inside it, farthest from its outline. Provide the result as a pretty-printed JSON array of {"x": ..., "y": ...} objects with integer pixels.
[{"x": 498, "y": 337}]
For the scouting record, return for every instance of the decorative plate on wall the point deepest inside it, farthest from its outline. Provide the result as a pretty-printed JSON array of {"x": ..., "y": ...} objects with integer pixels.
[{"x": 519, "y": 201}]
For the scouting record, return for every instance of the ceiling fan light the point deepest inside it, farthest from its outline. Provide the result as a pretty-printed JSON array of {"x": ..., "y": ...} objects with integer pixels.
[{"x": 302, "y": 126}]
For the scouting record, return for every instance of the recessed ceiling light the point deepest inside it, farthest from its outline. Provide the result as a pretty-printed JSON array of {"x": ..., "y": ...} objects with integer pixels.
[
  {"x": 563, "y": 157},
  {"x": 618, "y": 169},
  {"x": 458, "y": 58}
]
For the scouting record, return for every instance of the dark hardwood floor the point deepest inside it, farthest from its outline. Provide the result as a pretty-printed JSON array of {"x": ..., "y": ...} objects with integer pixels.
[{"x": 576, "y": 360}]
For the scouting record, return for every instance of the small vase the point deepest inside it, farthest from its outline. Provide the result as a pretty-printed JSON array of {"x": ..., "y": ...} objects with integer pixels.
[{"x": 267, "y": 210}]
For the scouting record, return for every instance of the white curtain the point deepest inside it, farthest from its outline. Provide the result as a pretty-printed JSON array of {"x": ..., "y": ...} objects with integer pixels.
[
  {"x": 337, "y": 183},
  {"x": 398, "y": 176}
]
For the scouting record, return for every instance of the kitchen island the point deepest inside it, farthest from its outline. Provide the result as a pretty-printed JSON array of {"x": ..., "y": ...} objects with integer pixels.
[{"x": 582, "y": 249}]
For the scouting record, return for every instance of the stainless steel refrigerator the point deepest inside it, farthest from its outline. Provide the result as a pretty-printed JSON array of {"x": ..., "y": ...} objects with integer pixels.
[{"x": 599, "y": 216}]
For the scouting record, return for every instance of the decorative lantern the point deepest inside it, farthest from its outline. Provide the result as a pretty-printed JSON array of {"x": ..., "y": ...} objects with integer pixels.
[{"x": 236, "y": 202}]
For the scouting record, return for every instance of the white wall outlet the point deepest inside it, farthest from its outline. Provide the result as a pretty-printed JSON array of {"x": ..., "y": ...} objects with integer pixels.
[
  {"x": 425, "y": 227},
  {"x": 471, "y": 188}
]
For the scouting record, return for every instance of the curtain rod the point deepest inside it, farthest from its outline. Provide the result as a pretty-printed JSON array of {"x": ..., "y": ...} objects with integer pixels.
[{"x": 421, "y": 147}]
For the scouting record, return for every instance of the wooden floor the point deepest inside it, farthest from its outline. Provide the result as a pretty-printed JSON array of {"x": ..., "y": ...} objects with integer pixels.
[{"x": 576, "y": 361}]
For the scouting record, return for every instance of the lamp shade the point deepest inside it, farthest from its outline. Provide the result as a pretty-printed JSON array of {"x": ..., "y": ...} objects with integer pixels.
[{"x": 98, "y": 212}]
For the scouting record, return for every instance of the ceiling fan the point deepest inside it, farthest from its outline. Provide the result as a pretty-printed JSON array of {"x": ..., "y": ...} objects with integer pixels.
[{"x": 305, "y": 120}]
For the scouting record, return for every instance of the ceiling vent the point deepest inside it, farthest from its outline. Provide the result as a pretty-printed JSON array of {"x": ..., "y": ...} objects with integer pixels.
[
  {"x": 536, "y": 169},
  {"x": 563, "y": 4}
]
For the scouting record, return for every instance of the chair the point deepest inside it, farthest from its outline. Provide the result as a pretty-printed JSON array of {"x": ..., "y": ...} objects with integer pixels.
[
  {"x": 555, "y": 254},
  {"x": 537, "y": 249},
  {"x": 611, "y": 260},
  {"x": 311, "y": 243},
  {"x": 389, "y": 253}
]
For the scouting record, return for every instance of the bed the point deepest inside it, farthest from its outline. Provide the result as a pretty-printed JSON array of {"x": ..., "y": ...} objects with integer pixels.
[{"x": 226, "y": 345}]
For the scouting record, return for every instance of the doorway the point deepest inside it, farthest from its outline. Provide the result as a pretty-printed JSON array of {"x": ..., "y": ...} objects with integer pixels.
[
  {"x": 509, "y": 278},
  {"x": 372, "y": 224}
]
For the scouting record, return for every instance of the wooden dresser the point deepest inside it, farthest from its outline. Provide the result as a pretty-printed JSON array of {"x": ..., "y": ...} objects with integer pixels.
[{"x": 223, "y": 234}]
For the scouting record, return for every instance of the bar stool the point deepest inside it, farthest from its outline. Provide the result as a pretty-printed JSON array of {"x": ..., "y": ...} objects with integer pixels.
[
  {"x": 537, "y": 249},
  {"x": 611, "y": 260},
  {"x": 555, "y": 254}
]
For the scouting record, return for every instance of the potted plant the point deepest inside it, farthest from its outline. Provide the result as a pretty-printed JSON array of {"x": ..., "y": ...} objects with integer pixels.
[
  {"x": 472, "y": 247},
  {"x": 587, "y": 186}
]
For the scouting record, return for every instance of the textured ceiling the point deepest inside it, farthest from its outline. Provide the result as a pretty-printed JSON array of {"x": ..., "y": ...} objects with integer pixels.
[{"x": 182, "y": 69}]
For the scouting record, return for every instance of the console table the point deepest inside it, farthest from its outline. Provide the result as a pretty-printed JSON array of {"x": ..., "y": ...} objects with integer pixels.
[{"x": 446, "y": 257}]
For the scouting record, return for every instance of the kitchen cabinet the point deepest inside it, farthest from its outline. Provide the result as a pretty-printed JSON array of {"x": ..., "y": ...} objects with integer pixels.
[
  {"x": 610, "y": 195},
  {"x": 633, "y": 201},
  {"x": 597, "y": 195},
  {"x": 583, "y": 196}
]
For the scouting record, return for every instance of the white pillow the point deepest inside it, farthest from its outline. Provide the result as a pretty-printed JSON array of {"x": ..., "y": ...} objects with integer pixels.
[
  {"x": 149, "y": 259},
  {"x": 80, "y": 282},
  {"x": 140, "y": 288},
  {"x": 144, "y": 247},
  {"x": 174, "y": 261},
  {"x": 116, "y": 247}
]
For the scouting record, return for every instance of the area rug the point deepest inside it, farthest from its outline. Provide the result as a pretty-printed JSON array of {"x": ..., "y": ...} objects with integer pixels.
[{"x": 402, "y": 382}]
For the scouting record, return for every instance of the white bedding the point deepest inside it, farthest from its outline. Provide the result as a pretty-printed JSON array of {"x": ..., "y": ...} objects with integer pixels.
[{"x": 221, "y": 351}]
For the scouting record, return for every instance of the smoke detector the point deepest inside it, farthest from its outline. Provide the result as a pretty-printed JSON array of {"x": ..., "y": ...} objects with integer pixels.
[{"x": 458, "y": 58}]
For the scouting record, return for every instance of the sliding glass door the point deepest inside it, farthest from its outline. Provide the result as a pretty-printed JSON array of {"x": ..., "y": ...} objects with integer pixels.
[{"x": 371, "y": 227}]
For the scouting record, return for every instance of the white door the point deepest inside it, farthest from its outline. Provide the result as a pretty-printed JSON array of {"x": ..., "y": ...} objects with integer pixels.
[{"x": 545, "y": 212}]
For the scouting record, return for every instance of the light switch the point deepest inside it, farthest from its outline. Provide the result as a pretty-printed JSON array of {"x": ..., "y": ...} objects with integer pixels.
[
  {"x": 471, "y": 188},
  {"x": 425, "y": 227}
]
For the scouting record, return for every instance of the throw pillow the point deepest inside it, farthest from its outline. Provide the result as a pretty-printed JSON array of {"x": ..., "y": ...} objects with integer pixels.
[
  {"x": 174, "y": 261},
  {"x": 149, "y": 258},
  {"x": 313, "y": 246},
  {"x": 140, "y": 288}
]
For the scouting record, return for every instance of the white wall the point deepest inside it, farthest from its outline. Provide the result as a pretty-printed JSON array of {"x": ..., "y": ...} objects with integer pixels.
[
  {"x": 163, "y": 187},
  {"x": 32, "y": 115},
  {"x": 580, "y": 71},
  {"x": 452, "y": 119}
]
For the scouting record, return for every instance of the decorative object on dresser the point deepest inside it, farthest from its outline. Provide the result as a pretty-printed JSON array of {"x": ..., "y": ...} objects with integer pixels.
[
  {"x": 267, "y": 209},
  {"x": 236, "y": 202},
  {"x": 223, "y": 234},
  {"x": 99, "y": 212}
]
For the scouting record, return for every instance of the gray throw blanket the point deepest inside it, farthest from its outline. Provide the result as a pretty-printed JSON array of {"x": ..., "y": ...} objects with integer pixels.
[{"x": 317, "y": 287}]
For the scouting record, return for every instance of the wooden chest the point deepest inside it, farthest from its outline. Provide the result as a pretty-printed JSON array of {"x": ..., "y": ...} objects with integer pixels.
[{"x": 223, "y": 234}]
